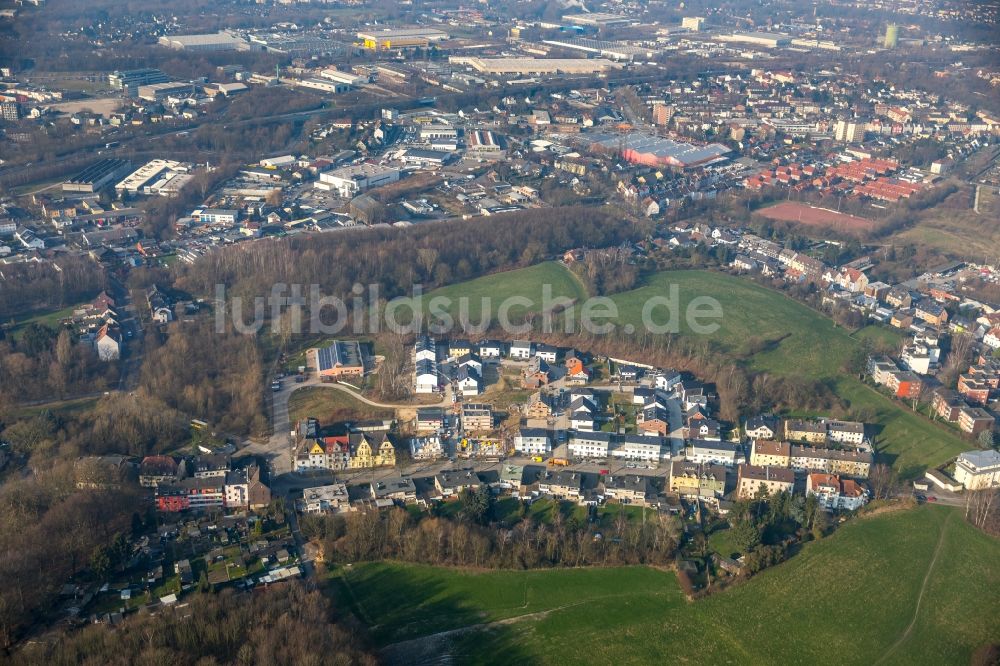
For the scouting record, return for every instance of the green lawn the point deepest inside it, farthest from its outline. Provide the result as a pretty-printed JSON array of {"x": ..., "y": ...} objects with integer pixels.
[
  {"x": 801, "y": 342},
  {"x": 50, "y": 318},
  {"x": 526, "y": 283},
  {"x": 770, "y": 331},
  {"x": 330, "y": 405},
  {"x": 853, "y": 593}
]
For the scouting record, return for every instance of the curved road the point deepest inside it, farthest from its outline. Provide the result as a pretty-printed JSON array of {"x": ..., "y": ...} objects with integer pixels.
[{"x": 277, "y": 448}]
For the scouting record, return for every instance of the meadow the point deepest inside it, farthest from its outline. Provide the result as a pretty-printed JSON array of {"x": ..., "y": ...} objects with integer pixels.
[
  {"x": 493, "y": 289},
  {"x": 851, "y": 598},
  {"x": 768, "y": 330},
  {"x": 330, "y": 405},
  {"x": 799, "y": 341}
]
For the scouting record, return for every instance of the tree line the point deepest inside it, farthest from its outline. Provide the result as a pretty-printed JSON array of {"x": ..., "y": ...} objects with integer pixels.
[
  {"x": 32, "y": 286},
  {"x": 286, "y": 624},
  {"x": 44, "y": 363},
  {"x": 477, "y": 536},
  {"x": 396, "y": 259},
  {"x": 204, "y": 373},
  {"x": 48, "y": 531}
]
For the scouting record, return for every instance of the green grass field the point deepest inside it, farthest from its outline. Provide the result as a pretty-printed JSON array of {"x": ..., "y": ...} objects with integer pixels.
[
  {"x": 50, "y": 318},
  {"x": 788, "y": 338},
  {"x": 526, "y": 282},
  {"x": 800, "y": 342},
  {"x": 330, "y": 405},
  {"x": 847, "y": 599}
]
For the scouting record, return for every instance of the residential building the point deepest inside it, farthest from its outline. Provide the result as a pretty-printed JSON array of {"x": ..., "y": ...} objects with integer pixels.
[
  {"x": 395, "y": 489},
  {"x": 477, "y": 417},
  {"x": 468, "y": 381},
  {"x": 905, "y": 384},
  {"x": 520, "y": 350},
  {"x": 805, "y": 431},
  {"x": 425, "y": 376},
  {"x": 751, "y": 479},
  {"x": 974, "y": 389},
  {"x": 931, "y": 312},
  {"x": 974, "y": 420},
  {"x": 332, "y": 498},
  {"x": 108, "y": 343},
  {"x": 695, "y": 480},
  {"x": 197, "y": 494},
  {"x": 584, "y": 444},
  {"x": 539, "y": 406},
  {"x": 426, "y": 448},
  {"x": 992, "y": 338},
  {"x": 766, "y": 453},
  {"x": 835, "y": 494},
  {"x": 451, "y": 482},
  {"x": 369, "y": 450},
  {"x": 714, "y": 453},
  {"x": 637, "y": 447},
  {"x": 491, "y": 349},
  {"x": 333, "y": 453},
  {"x": 947, "y": 404},
  {"x": 833, "y": 461},
  {"x": 430, "y": 418},
  {"x": 627, "y": 489},
  {"x": 761, "y": 427},
  {"x": 155, "y": 470},
  {"x": 846, "y": 432},
  {"x": 978, "y": 469},
  {"x": 532, "y": 441}
]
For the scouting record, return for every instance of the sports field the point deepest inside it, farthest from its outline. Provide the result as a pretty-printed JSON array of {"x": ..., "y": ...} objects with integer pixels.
[
  {"x": 811, "y": 216},
  {"x": 907, "y": 587}
]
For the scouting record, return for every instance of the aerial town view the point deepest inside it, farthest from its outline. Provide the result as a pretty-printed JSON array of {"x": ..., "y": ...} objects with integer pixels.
[{"x": 499, "y": 332}]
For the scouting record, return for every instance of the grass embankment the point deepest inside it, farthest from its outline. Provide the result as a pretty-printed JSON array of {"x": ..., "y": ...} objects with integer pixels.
[
  {"x": 849, "y": 598},
  {"x": 330, "y": 405}
]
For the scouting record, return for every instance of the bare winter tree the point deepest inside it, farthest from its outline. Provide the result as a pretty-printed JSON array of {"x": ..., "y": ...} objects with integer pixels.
[
  {"x": 961, "y": 345},
  {"x": 883, "y": 481},
  {"x": 979, "y": 505}
]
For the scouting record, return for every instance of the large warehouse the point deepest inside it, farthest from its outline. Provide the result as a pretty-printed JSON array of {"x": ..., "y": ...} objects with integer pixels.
[
  {"x": 528, "y": 66},
  {"x": 219, "y": 41},
  {"x": 351, "y": 180},
  {"x": 769, "y": 40},
  {"x": 98, "y": 176},
  {"x": 613, "y": 50},
  {"x": 655, "y": 151},
  {"x": 597, "y": 20},
  {"x": 399, "y": 38}
]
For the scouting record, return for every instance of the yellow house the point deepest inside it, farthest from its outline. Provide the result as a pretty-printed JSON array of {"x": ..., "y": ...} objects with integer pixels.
[
  {"x": 805, "y": 431},
  {"x": 765, "y": 453},
  {"x": 685, "y": 478},
  {"x": 368, "y": 451}
]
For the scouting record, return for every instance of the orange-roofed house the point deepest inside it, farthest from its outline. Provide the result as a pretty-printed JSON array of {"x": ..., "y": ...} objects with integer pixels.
[
  {"x": 835, "y": 494},
  {"x": 577, "y": 372}
]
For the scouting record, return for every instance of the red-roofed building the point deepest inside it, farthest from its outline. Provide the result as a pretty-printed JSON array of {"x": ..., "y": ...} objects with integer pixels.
[{"x": 834, "y": 494}]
